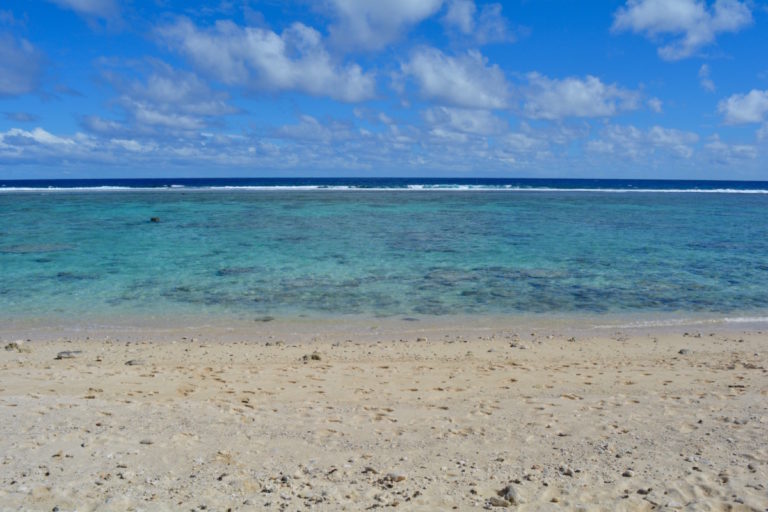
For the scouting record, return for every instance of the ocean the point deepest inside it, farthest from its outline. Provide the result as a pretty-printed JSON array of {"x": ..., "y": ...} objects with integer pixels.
[{"x": 86, "y": 250}]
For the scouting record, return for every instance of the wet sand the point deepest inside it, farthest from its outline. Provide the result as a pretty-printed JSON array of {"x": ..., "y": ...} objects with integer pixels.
[{"x": 444, "y": 418}]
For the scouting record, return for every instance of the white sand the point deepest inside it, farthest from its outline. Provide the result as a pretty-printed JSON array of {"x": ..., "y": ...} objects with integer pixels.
[{"x": 608, "y": 423}]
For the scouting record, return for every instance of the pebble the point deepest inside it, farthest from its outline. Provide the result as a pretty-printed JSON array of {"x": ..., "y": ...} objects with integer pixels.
[
  {"x": 146, "y": 441},
  {"x": 628, "y": 473},
  {"x": 684, "y": 351},
  {"x": 498, "y": 502},
  {"x": 511, "y": 494},
  {"x": 67, "y": 354},
  {"x": 134, "y": 362}
]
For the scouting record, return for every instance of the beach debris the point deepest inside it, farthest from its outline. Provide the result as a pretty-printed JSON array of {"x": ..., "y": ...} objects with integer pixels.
[
  {"x": 134, "y": 362},
  {"x": 154, "y": 219},
  {"x": 314, "y": 356},
  {"x": 18, "y": 346},
  {"x": 369, "y": 469},
  {"x": 423, "y": 338},
  {"x": 146, "y": 442},
  {"x": 510, "y": 494},
  {"x": 684, "y": 351},
  {"x": 498, "y": 502},
  {"x": 67, "y": 354}
]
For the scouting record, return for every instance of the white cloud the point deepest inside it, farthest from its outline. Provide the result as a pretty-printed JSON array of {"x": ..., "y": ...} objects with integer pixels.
[
  {"x": 704, "y": 80},
  {"x": 260, "y": 59},
  {"x": 20, "y": 66},
  {"x": 106, "y": 9},
  {"x": 38, "y": 135},
  {"x": 489, "y": 26},
  {"x": 630, "y": 141},
  {"x": 655, "y": 105},
  {"x": 373, "y": 24},
  {"x": 745, "y": 108},
  {"x": 728, "y": 153},
  {"x": 575, "y": 97},
  {"x": 309, "y": 128},
  {"x": 166, "y": 101},
  {"x": 465, "y": 80},
  {"x": 461, "y": 14},
  {"x": 469, "y": 121},
  {"x": 690, "y": 24},
  {"x": 677, "y": 141}
]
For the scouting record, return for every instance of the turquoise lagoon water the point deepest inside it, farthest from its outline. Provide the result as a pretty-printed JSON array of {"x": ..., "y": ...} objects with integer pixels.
[{"x": 245, "y": 253}]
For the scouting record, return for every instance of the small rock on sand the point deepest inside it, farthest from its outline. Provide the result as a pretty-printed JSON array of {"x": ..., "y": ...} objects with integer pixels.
[
  {"x": 67, "y": 354},
  {"x": 314, "y": 356},
  {"x": 134, "y": 362},
  {"x": 18, "y": 346},
  {"x": 510, "y": 494},
  {"x": 498, "y": 502},
  {"x": 684, "y": 351}
]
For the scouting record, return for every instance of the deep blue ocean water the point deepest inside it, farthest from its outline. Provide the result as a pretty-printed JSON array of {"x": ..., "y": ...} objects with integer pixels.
[{"x": 381, "y": 247}]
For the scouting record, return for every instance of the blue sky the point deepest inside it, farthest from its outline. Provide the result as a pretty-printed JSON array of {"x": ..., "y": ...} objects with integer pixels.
[{"x": 544, "y": 88}]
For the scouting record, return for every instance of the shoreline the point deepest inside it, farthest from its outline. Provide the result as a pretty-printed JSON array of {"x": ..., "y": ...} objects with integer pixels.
[
  {"x": 308, "y": 327},
  {"x": 451, "y": 417}
]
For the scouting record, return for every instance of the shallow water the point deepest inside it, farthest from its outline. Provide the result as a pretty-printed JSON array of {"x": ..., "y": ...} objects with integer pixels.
[{"x": 244, "y": 253}]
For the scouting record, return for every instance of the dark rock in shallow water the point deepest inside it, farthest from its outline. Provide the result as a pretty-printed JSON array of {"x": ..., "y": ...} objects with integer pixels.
[
  {"x": 265, "y": 318},
  {"x": 154, "y": 219},
  {"x": 73, "y": 276},
  {"x": 233, "y": 271}
]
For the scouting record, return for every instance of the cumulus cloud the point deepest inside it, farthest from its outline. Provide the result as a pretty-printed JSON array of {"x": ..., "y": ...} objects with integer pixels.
[
  {"x": 685, "y": 26},
  {"x": 465, "y": 80},
  {"x": 260, "y": 59},
  {"x": 36, "y": 136},
  {"x": 724, "y": 153},
  {"x": 462, "y": 120},
  {"x": 167, "y": 100},
  {"x": 554, "y": 99},
  {"x": 745, "y": 108},
  {"x": 373, "y": 24},
  {"x": 21, "y": 66},
  {"x": 630, "y": 141},
  {"x": 487, "y": 26}
]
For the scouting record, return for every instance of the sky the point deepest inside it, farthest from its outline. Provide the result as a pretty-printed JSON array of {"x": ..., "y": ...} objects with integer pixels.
[{"x": 657, "y": 89}]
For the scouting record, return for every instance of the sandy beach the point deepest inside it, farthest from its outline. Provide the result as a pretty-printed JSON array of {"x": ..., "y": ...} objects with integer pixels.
[{"x": 438, "y": 418}]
